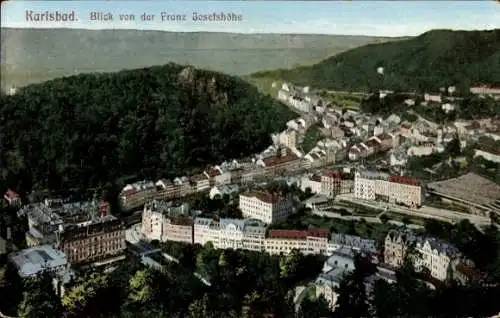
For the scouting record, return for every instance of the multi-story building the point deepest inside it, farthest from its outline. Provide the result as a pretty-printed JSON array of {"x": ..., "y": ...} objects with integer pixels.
[
  {"x": 312, "y": 182},
  {"x": 95, "y": 241},
  {"x": 248, "y": 234},
  {"x": 163, "y": 220},
  {"x": 284, "y": 160},
  {"x": 357, "y": 243},
  {"x": 136, "y": 194},
  {"x": 284, "y": 241},
  {"x": 206, "y": 230},
  {"x": 392, "y": 189},
  {"x": 440, "y": 259},
  {"x": 334, "y": 183},
  {"x": 265, "y": 206},
  {"x": 288, "y": 138},
  {"x": 48, "y": 218},
  {"x": 178, "y": 229},
  {"x": 396, "y": 245}
]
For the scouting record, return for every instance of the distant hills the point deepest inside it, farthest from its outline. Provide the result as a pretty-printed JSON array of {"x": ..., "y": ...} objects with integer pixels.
[
  {"x": 34, "y": 55},
  {"x": 434, "y": 59}
]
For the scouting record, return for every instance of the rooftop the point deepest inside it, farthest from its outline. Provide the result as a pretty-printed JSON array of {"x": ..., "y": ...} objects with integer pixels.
[
  {"x": 470, "y": 187},
  {"x": 212, "y": 172},
  {"x": 267, "y": 197},
  {"x": 278, "y": 159},
  {"x": 404, "y": 180},
  {"x": 31, "y": 261}
]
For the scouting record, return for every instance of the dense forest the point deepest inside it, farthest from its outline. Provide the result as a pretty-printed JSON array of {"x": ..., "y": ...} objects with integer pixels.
[
  {"x": 89, "y": 130},
  {"x": 432, "y": 60}
]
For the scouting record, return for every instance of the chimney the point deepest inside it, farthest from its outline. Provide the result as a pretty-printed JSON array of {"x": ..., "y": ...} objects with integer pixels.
[{"x": 9, "y": 234}]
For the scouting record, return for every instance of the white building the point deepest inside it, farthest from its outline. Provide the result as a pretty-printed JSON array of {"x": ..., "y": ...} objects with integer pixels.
[
  {"x": 266, "y": 207},
  {"x": 312, "y": 182},
  {"x": 246, "y": 234},
  {"x": 312, "y": 241},
  {"x": 288, "y": 138},
  {"x": 392, "y": 189},
  {"x": 437, "y": 257},
  {"x": 155, "y": 218}
]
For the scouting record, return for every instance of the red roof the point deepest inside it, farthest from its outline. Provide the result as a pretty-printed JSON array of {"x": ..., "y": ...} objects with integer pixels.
[
  {"x": 103, "y": 203},
  {"x": 317, "y": 232},
  {"x": 212, "y": 172},
  {"x": 404, "y": 180},
  {"x": 267, "y": 197},
  {"x": 277, "y": 160},
  {"x": 288, "y": 234},
  {"x": 331, "y": 174},
  {"x": 11, "y": 194},
  {"x": 129, "y": 193}
]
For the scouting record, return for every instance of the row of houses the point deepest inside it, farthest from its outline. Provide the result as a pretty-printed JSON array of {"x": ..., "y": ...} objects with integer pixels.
[
  {"x": 164, "y": 225},
  {"x": 137, "y": 194},
  {"x": 373, "y": 145}
]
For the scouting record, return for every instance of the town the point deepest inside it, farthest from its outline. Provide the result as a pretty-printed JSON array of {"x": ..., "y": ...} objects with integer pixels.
[{"x": 341, "y": 161}]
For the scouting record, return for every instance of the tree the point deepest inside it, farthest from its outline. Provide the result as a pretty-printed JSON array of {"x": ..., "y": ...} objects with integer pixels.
[
  {"x": 84, "y": 298},
  {"x": 39, "y": 298},
  {"x": 453, "y": 147},
  {"x": 314, "y": 308}
]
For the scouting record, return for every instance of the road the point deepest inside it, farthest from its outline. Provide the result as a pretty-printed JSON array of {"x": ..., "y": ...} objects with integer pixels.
[{"x": 423, "y": 212}]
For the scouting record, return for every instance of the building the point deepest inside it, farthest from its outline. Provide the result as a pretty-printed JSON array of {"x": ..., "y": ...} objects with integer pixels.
[
  {"x": 199, "y": 182},
  {"x": 314, "y": 241},
  {"x": 336, "y": 267},
  {"x": 437, "y": 257},
  {"x": 49, "y": 218},
  {"x": 222, "y": 190},
  {"x": 158, "y": 223},
  {"x": 136, "y": 194},
  {"x": 206, "y": 230},
  {"x": 334, "y": 183},
  {"x": 441, "y": 260},
  {"x": 12, "y": 198},
  {"x": 31, "y": 261},
  {"x": 485, "y": 90},
  {"x": 488, "y": 153},
  {"x": 178, "y": 229},
  {"x": 265, "y": 206},
  {"x": 392, "y": 189},
  {"x": 288, "y": 138},
  {"x": 248, "y": 234},
  {"x": 96, "y": 242},
  {"x": 357, "y": 243},
  {"x": 284, "y": 160},
  {"x": 312, "y": 182},
  {"x": 396, "y": 245}
]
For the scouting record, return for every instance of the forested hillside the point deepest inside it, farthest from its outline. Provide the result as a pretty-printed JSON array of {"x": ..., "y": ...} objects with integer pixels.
[
  {"x": 88, "y": 130},
  {"x": 432, "y": 60}
]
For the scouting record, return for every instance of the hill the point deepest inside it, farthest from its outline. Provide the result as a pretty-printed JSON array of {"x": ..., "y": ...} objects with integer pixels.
[
  {"x": 87, "y": 130},
  {"x": 35, "y": 55},
  {"x": 434, "y": 59}
]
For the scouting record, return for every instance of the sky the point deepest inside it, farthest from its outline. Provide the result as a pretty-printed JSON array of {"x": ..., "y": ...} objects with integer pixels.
[{"x": 378, "y": 18}]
